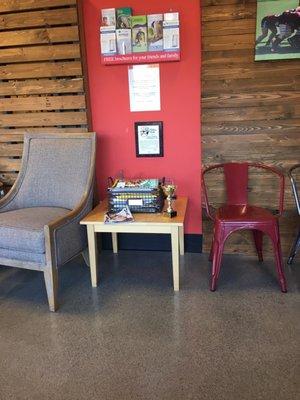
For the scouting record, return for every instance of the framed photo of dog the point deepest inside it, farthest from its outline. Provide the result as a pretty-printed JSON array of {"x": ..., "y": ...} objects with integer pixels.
[
  {"x": 149, "y": 139},
  {"x": 277, "y": 30}
]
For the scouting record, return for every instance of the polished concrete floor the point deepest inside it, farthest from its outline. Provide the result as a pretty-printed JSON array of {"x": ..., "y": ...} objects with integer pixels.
[{"x": 133, "y": 338}]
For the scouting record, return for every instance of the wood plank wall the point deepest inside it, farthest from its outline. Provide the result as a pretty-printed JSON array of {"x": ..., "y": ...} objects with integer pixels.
[
  {"x": 251, "y": 111},
  {"x": 41, "y": 75}
]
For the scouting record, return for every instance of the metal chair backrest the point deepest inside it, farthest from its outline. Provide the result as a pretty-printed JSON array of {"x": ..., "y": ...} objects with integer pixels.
[
  {"x": 292, "y": 176},
  {"x": 236, "y": 180}
]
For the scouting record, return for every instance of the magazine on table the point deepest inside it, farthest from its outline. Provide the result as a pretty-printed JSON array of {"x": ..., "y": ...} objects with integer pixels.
[{"x": 123, "y": 215}]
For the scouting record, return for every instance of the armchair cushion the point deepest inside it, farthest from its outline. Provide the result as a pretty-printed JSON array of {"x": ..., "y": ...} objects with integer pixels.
[
  {"x": 26, "y": 256},
  {"x": 23, "y": 230}
]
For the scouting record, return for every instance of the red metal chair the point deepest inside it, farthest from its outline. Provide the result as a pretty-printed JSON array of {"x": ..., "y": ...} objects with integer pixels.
[{"x": 237, "y": 214}]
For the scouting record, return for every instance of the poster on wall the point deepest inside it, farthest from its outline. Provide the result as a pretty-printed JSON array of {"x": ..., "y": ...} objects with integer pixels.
[
  {"x": 144, "y": 87},
  {"x": 277, "y": 30}
]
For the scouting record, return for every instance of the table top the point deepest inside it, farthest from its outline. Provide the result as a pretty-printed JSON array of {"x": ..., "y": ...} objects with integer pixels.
[{"x": 96, "y": 216}]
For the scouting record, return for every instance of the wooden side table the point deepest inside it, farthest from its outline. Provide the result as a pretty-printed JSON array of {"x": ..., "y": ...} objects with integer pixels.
[{"x": 143, "y": 223}]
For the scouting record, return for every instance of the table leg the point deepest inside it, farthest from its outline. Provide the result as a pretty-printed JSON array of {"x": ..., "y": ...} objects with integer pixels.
[
  {"x": 181, "y": 240},
  {"x": 114, "y": 237},
  {"x": 93, "y": 252},
  {"x": 175, "y": 256}
]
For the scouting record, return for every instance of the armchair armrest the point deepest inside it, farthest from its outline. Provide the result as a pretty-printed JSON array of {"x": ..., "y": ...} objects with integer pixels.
[
  {"x": 65, "y": 237},
  {"x": 7, "y": 202}
]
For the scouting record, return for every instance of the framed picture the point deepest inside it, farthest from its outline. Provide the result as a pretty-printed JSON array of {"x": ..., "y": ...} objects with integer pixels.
[
  {"x": 149, "y": 139},
  {"x": 277, "y": 30}
]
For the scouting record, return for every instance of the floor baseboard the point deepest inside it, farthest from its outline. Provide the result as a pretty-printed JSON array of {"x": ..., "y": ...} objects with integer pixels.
[{"x": 159, "y": 242}]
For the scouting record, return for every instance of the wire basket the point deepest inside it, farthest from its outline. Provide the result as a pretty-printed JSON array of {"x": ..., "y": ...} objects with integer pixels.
[{"x": 140, "y": 199}]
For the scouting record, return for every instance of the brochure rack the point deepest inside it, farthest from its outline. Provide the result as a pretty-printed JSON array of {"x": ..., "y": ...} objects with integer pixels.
[
  {"x": 138, "y": 39},
  {"x": 141, "y": 196}
]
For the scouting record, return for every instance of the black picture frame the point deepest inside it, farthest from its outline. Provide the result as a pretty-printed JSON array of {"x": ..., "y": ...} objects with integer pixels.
[{"x": 149, "y": 139}]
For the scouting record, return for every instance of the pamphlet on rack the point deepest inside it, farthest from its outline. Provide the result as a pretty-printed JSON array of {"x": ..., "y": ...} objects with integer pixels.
[
  {"x": 108, "y": 17},
  {"x": 123, "y": 215},
  {"x": 123, "y": 15},
  {"x": 123, "y": 41},
  {"x": 108, "y": 40},
  {"x": 155, "y": 32},
  {"x": 139, "y": 33},
  {"x": 171, "y": 36}
]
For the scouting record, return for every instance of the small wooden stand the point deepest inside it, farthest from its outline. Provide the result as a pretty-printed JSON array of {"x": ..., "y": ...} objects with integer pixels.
[{"x": 143, "y": 223}]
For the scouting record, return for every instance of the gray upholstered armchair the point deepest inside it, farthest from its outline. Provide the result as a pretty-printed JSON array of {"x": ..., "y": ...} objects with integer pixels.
[{"x": 39, "y": 217}]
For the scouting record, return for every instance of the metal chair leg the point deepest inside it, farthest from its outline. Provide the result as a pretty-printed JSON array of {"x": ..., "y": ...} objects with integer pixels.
[
  {"x": 295, "y": 248},
  {"x": 258, "y": 240}
]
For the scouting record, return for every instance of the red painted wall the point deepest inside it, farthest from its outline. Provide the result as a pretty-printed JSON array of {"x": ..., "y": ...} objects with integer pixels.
[{"x": 180, "y": 106}]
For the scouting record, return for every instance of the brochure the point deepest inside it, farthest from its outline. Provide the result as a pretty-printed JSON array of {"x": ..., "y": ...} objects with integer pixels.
[
  {"x": 124, "y": 41},
  {"x": 171, "y": 35},
  {"x": 139, "y": 33},
  {"x": 108, "y": 40},
  {"x": 108, "y": 17},
  {"x": 122, "y": 216},
  {"x": 124, "y": 17},
  {"x": 155, "y": 32}
]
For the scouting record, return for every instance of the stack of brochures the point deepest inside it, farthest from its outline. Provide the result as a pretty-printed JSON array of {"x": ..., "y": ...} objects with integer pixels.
[{"x": 135, "y": 184}]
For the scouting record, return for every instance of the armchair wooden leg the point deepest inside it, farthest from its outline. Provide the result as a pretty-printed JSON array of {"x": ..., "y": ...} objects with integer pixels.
[{"x": 51, "y": 282}]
